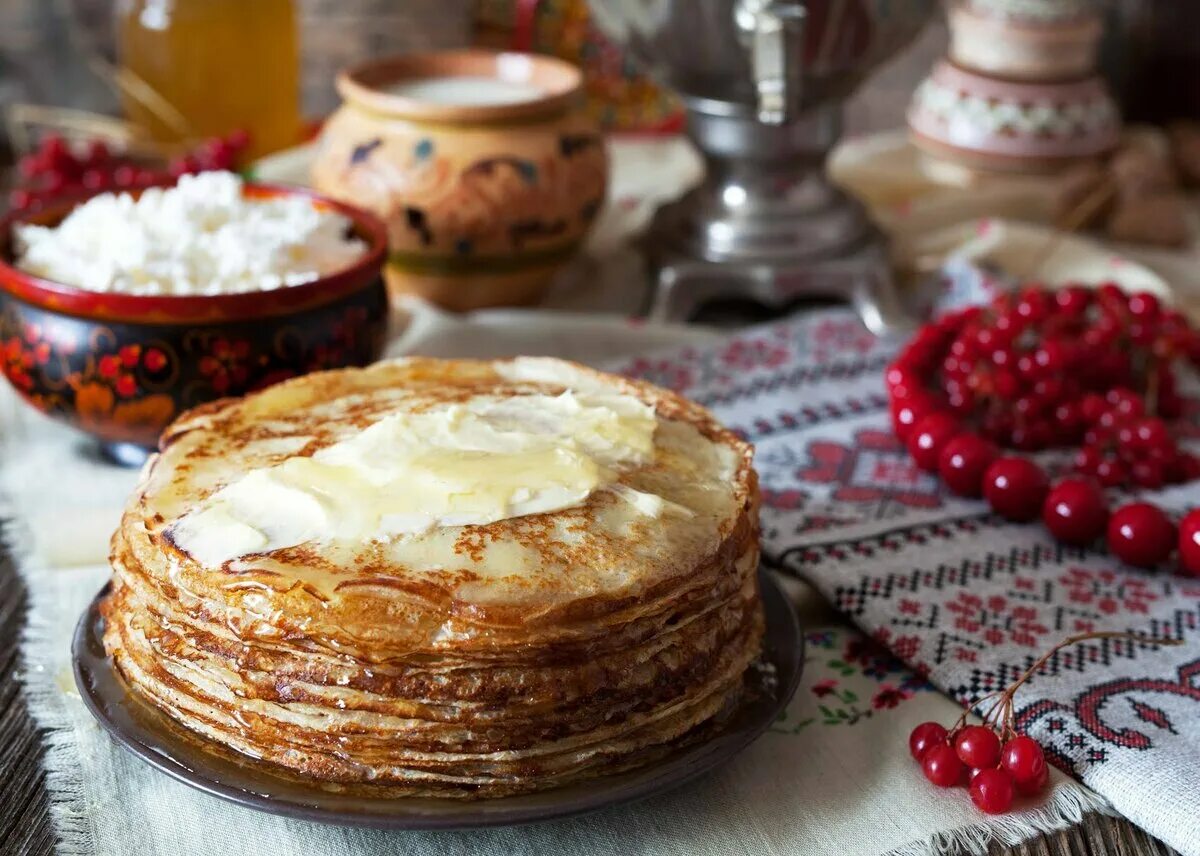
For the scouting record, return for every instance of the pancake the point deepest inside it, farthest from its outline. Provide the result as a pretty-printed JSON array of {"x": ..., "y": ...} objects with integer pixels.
[{"x": 449, "y": 578}]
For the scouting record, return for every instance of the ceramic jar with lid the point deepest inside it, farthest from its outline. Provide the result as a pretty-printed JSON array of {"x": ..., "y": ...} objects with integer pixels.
[
  {"x": 1025, "y": 39},
  {"x": 1018, "y": 90},
  {"x": 483, "y": 165}
]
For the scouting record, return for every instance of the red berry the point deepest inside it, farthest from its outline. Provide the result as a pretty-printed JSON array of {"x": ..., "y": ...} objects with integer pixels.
[
  {"x": 963, "y": 462},
  {"x": 238, "y": 139},
  {"x": 97, "y": 153},
  {"x": 1073, "y": 299},
  {"x": 903, "y": 376},
  {"x": 1075, "y": 512},
  {"x": 910, "y": 411},
  {"x": 1148, "y": 474},
  {"x": 1023, "y": 758},
  {"x": 1033, "y": 787},
  {"x": 1125, "y": 402},
  {"x": 924, "y": 737},
  {"x": 124, "y": 176},
  {"x": 1143, "y": 305},
  {"x": 929, "y": 437},
  {"x": 1087, "y": 459},
  {"x": 19, "y": 200},
  {"x": 1140, "y": 534},
  {"x": 1189, "y": 543},
  {"x": 992, "y": 791},
  {"x": 978, "y": 746},
  {"x": 1093, "y": 407},
  {"x": 1015, "y": 488},
  {"x": 941, "y": 766},
  {"x": 1111, "y": 472}
]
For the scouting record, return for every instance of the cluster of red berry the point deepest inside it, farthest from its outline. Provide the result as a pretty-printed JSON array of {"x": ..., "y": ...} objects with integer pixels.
[
  {"x": 973, "y": 754},
  {"x": 992, "y": 759},
  {"x": 58, "y": 169},
  {"x": 1055, "y": 368}
]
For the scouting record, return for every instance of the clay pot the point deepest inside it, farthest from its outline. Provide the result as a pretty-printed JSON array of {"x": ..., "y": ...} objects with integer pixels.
[
  {"x": 483, "y": 201},
  {"x": 991, "y": 123}
]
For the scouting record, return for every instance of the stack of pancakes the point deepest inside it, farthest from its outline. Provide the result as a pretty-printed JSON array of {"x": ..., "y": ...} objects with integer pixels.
[{"x": 469, "y": 661}]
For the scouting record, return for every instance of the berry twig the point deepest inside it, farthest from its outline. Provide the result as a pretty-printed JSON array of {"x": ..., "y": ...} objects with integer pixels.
[{"x": 993, "y": 758}]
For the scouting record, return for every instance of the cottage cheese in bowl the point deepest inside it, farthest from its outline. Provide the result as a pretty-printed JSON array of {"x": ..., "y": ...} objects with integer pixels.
[{"x": 201, "y": 237}]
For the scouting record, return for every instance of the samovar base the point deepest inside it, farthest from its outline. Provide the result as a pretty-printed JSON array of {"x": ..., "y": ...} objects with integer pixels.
[{"x": 863, "y": 279}]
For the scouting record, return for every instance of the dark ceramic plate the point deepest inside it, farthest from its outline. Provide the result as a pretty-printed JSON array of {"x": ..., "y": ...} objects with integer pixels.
[{"x": 154, "y": 738}]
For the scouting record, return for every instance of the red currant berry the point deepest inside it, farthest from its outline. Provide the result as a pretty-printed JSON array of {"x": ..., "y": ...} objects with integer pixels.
[
  {"x": 1073, "y": 300},
  {"x": 124, "y": 176},
  {"x": 1148, "y": 474},
  {"x": 1111, "y": 472},
  {"x": 1032, "y": 306},
  {"x": 978, "y": 746},
  {"x": 963, "y": 462},
  {"x": 1151, "y": 434},
  {"x": 19, "y": 200},
  {"x": 1023, "y": 758},
  {"x": 902, "y": 380},
  {"x": 1093, "y": 407},
  {"x": 1140, "y": 534},
  {"x": 1143, "y": 305},
  {"x": 992, "y": 791},
  {"x": 1189, "y": 543},
  {"x": 1015, "y": 488},
  {"x": 238, "y": 139},
  {"x": 1125, "y": 402},
  {"x": 924, "y": 737},
  {"x": 907, "y": 413},
  {"x": 97, "y": 153},
  {"x": 1088, "y": 459},
  {"x": 1033, "y": 787},
  {"x": 1075, "y": 512},
  {"x": 941, "y": 766},
  {"x": 929, "y": 437}
]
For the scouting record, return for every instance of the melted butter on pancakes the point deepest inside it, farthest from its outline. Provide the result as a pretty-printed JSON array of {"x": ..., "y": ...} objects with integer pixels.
[{"x": 463, "y": 463}]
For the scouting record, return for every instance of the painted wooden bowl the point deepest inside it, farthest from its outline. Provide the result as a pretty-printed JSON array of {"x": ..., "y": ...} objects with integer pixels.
[
  {"x": 121, "y": 367},
  {"x": 483, "y": 165}
]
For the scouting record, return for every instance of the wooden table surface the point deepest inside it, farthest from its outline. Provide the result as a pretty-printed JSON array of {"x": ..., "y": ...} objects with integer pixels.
[{"x": 25, "y": 806}]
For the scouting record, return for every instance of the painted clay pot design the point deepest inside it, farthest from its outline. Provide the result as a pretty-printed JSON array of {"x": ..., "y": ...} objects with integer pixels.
[
  {"x": 121, "y": 367},
  {"x": 989, "y": 123},
  {"x": 483, "y": 202}
]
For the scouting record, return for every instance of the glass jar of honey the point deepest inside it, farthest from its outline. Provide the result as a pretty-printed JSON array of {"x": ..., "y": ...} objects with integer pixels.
[{"x": 211, "y": 67}]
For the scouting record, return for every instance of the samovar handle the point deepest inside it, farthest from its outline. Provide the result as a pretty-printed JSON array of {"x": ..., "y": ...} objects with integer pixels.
[{"x": 773, "y": 31}]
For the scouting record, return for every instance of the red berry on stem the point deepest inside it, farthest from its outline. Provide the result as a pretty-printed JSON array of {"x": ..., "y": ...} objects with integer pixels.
[
  {"x": 1015, "y": 488},
  {"x": 1141, "y": 534},
  {"x": 963, "y": 462},
  {"x": 1033, "y": 787},
  {"x": 1075, "y": 511},
  {"x": 1189, "y": 543},
  {"x": 992, "y": 791},
  {"x": 924, "y": 737},
  {"x": 978, "y": 746},
  {"x": 930, "y": 436},
  {"x": 1023, "y": 758},
  {"x": 941, "y": 766},
  {"x": 1111, "y": 472}
]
